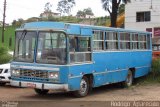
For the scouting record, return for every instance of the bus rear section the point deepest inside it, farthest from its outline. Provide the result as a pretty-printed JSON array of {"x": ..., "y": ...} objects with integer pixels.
[{"x": 121, "y": 55}]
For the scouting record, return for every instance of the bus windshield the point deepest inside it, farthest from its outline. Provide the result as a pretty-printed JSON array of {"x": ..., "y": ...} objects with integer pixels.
[
  {"x": 25, "y": 44},
  {"x": 51, "y": 48}
]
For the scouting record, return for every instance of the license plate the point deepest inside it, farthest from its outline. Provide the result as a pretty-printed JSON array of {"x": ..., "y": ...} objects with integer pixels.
[{"x": 31, "y": 85}]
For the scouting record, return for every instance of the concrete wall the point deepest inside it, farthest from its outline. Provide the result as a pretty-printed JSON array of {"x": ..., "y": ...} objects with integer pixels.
[{"x": 139, "y": 6}]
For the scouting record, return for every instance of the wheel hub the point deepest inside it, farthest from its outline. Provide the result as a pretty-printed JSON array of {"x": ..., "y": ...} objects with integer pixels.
[{"x": 83, "y": 86}]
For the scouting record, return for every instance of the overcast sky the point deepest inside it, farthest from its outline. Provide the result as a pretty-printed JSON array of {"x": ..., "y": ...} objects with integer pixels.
[{"x": 32, "y": 8}]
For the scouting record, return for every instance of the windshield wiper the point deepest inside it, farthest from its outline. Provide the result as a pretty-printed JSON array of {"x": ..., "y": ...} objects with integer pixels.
[
  {"x": 51, "y": 40},
  {"x": 21, "y": 38}
]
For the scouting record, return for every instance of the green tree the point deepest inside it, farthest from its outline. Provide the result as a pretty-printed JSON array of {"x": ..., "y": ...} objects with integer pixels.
[
  {"x": 65, "y": 6},
  {"x": 14, "y": 23},
  {"x": 80, "y": 14},
  {"x": 32, "y": 19},
  {"x": 112, "y": 7},
  {"x": 18, "y": 22},
  {"x": 47, "y": 7},
  {"x": 88, "y": 11},
  {"x": 4, "y": 56},
  {"x": 121, "y": 9},
  {"x": 47, "y": 11}
]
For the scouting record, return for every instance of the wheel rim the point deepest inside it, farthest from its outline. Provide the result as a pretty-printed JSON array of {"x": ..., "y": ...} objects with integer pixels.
[
  {"x": 129, "y": 79},
  {"x": 83, "y": 86}
]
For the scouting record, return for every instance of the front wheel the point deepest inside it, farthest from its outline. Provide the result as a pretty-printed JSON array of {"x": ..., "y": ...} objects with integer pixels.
[
  {"x": 129, "y": 80},
  {"x": 2, "y": 84},
  {"x": 84, "y": 88},
  {"x": 41, "y": 92}
]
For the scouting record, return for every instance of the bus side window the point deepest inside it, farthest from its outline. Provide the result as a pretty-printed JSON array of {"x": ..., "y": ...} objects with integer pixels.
[
  {"x": 98, "y": 42},
  {"x": 73, "y": 44},
  {"x": 124, "y": 41},
  {"x": 148, "y": 41},
  {"x": 111, "y": 41},
  {"x": 134, "y": 41},
  {"x": 80, "y": 49}
]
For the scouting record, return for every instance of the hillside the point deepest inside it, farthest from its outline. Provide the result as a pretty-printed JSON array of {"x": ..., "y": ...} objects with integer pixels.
[
  {"x": 10, "y": 30},
  {"x": 9, "y": 35}
]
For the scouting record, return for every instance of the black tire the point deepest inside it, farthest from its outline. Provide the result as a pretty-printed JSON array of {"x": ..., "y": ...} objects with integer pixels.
[
  {"x": 41, "y": 92},
  {"x": 2, "y": 84},
  {"x": 129, "y": 80},
  {"x": 84, "y": 88}
]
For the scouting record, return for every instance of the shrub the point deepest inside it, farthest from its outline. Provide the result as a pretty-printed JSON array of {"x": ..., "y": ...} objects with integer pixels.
[
  {"x": 156, "y": 66},
  {"x": 154, "y": 76},
  {"x": 5, "y": 57}
]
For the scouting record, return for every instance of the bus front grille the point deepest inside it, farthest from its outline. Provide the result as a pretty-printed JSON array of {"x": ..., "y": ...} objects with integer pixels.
[{"x": 32, "y": 73}]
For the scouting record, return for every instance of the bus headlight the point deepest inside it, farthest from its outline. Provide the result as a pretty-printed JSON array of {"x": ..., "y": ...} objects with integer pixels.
[
  {"x": 16, "y": 72},
  {"x": 53, "y": 75}
]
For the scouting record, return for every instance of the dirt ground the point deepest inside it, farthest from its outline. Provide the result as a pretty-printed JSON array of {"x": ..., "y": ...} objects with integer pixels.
[{"x": 104, "y": 93}]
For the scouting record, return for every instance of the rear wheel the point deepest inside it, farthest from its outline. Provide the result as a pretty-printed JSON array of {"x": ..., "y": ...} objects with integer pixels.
[
  {"x": 41, "y": 92},
  {"x": 84, "y": 88},
  {"x": 129, "y": 80}
]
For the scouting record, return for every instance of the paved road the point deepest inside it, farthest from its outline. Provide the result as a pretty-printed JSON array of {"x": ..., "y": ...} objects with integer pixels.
[{"x": 105, "y": 93}]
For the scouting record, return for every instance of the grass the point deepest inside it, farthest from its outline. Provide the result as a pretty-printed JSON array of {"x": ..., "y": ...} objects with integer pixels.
[
  {"x": 9, "y": 33},
  {"x": 153, "y": 77}
]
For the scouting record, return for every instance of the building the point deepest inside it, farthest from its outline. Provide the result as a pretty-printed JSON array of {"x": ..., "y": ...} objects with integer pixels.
[
  {"x": 90, "y": 16},
  {"x": 143, "y": 15},
  {"x": 85, "y": 16}
]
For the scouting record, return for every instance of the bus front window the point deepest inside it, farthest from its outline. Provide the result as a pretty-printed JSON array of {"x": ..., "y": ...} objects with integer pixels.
[
  {"x": 51, "y": 48},
  {"x": 25, "y": 44}
]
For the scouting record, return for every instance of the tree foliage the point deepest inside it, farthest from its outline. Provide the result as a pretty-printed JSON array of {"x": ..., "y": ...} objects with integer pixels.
[
  {"x": 112, "y": 7},
  {"x": 47, "y": 10},
  {"x": 87, "y": 11},
  {"x": 65, "y": 6},
  {"x": 121, "y": 9},
  {"x": 4, "y": 56},
  {"x": 80, "y": 13},
  {"x": 18, "y": 22},
  {"x": 47, "y": 7}
]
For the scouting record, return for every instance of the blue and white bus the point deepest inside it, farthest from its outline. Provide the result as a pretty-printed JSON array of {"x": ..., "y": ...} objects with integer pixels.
[{"x": 72, "y": 57}]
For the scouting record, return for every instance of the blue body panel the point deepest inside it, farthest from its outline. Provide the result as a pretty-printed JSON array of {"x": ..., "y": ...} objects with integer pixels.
[
  {"x": 115, "y": 65},
  {"x": 77, "y": 72},
  {"x": 106, "y": 66}
]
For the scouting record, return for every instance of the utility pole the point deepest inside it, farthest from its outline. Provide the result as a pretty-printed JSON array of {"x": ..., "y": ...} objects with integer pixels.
[{"x": 3, "y": 26}]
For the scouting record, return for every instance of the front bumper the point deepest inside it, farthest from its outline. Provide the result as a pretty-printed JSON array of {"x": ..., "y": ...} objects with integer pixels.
[
  {"x": 4, "y": 79},
  {"x": 57, "y": 87}
]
